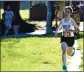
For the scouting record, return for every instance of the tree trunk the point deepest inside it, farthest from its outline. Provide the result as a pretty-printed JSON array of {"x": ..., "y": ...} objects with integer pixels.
[
  {"x": 49, "y": 18},
  {"x": 0, "y": 11}
]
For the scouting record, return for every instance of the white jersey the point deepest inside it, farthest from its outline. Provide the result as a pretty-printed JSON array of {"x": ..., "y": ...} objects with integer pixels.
[{"x": 67, "y": 26}]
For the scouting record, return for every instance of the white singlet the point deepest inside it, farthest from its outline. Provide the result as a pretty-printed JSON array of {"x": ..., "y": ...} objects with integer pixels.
[{"x": 67, "y": 26}]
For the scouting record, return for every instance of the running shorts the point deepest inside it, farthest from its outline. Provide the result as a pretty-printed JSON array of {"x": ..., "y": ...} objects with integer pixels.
[{"x": 69, "y": 40}]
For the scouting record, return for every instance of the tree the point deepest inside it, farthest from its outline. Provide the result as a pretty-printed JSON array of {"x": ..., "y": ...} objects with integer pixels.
[{"x": 49, "y": 17}]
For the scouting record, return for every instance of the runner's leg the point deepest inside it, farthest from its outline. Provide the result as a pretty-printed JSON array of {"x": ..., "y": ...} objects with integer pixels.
[{"x": 64, "y": 46}]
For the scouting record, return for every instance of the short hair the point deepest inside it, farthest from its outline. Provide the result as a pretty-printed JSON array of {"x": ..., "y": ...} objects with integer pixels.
[{"x": 70, "y": 8}]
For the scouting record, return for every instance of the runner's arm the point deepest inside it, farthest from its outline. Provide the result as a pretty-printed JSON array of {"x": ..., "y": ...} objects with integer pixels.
[
  {"x": 58, "y": 28},
  {"x": 75, "y": 25}
]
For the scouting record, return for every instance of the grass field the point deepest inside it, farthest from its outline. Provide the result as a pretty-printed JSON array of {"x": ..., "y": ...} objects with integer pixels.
[
  {"x": 39, "y": 53},
  {"x": 32, "y": 53},
  {"x": 80, "y": 42}
]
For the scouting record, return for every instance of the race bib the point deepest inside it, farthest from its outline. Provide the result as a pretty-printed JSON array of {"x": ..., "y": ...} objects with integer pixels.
[
  {"x": 66, "y": 34},
  {"x": 66, "y": 28}
]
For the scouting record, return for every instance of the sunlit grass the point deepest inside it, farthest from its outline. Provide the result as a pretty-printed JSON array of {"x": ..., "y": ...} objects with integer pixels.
[
  {"x": 1, "y": 12},
  {"x": 42, "y": 53},
  {"x": 25, "y": 14},
  {"x": 80, "y": 42},
  {"x": 33, "y": 53}
]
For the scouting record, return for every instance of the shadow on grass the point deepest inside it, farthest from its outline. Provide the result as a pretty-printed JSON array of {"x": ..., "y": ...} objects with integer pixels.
[
  {"x": 81, "y": 34},
  {"x": 28, "y": 35},
  {"x": 39, "y": 36}
]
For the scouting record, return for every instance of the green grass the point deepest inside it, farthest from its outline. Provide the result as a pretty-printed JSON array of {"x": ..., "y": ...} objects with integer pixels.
[
  {"x": 80, "y": 42},
  {"x": 39, "y": 53},
  {"x": 25, "y": 14},
  {"x": 32, "y": 53},
  {"x": 81, "y": 65},
  {"x": 1, "y": 12}
]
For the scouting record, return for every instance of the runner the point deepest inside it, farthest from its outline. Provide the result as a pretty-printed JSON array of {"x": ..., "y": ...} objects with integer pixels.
[{"x": 67, "y": 38}]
